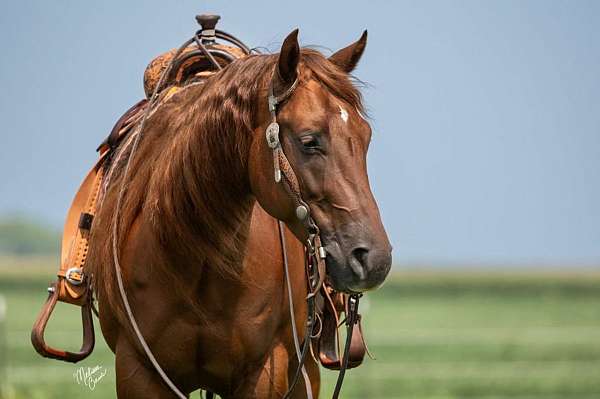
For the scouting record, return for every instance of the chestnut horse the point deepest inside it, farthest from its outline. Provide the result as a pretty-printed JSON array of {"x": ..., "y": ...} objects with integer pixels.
[{"x": 198, "y": 239}]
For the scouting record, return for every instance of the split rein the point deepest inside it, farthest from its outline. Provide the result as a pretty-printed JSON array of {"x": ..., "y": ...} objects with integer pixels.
[{"x": 314, "y": 256}]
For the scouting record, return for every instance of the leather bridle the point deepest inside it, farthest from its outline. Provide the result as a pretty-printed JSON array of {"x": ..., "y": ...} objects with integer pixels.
[{"x": 315, "y": 252}]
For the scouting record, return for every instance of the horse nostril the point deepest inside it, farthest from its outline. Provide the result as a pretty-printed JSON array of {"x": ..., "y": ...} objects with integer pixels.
[
  {"x": 369, "y": 267},
  {"x": 360, "y": 254}
]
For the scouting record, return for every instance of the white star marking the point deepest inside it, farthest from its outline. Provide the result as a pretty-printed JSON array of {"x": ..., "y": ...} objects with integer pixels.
[{"x": 343, "y": 114}]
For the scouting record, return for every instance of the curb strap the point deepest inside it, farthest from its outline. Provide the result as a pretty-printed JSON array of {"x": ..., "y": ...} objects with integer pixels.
[{"x": 351, "y": 320}]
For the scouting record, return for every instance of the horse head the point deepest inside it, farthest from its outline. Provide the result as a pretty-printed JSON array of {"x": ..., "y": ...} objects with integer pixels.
[{"x": 325, "y": 137}]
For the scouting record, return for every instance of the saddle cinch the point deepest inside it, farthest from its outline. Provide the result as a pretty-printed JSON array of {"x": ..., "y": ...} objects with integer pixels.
[{"x": 73, "y": 286}]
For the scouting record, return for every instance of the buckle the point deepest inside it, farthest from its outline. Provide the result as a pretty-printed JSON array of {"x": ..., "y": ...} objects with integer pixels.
[
  {"x": 74, "y": 276},
  {"x": 272, "y": 103},
  {"x": 322, "y": 252}
]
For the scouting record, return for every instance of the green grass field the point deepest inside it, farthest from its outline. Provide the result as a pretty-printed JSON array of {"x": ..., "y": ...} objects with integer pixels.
[{"x": 443, "y": 334}]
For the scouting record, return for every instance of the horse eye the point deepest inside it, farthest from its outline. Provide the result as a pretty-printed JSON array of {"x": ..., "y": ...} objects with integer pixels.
[{"x": 309, "y": 142}]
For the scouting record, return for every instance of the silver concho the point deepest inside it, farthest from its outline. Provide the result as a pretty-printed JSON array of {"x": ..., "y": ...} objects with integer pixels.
[
  {"x": 272, "y": 134},
  {"x": 301, "y": 212}
]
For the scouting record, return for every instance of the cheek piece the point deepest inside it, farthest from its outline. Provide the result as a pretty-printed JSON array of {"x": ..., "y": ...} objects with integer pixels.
[{"x": 281, "y": 165}]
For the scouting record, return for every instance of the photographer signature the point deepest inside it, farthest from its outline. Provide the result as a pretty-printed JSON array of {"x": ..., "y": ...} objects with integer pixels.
[{"x": 89, "y": 376}]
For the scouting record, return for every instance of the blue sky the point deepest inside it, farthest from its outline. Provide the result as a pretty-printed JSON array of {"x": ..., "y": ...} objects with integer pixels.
[{"x": 486, "y": 114}]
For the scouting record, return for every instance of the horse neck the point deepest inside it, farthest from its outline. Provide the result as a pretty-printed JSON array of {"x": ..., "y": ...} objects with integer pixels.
[{"x": 203, "y": 195}]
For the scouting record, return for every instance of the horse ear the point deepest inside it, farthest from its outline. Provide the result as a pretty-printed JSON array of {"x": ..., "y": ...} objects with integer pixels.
[
  {"x": 289, "y": 56},
  {"x": 348, "y": 57}
]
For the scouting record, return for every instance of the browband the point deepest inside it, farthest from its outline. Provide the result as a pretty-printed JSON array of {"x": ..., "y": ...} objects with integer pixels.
[{"x": 274, "y": 100}]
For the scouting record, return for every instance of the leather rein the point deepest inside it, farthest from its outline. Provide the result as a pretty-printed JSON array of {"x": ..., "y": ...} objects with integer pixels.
[{"x": 315, "y": 253}]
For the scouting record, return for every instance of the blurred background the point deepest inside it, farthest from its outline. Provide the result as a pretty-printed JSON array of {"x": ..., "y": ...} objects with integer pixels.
[{"x": 484, "y": 161}]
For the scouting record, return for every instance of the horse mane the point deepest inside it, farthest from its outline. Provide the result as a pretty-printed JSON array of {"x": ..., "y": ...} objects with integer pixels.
[{"x": 188, "y": 176}]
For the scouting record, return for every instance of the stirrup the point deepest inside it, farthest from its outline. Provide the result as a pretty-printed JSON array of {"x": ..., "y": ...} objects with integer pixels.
[{"x": 37, "y": 333}]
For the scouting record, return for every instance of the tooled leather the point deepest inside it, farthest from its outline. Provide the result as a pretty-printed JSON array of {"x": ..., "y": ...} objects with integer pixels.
[
  {"x": 75, "y": 240},
  {"x": 289, "y": 174}
]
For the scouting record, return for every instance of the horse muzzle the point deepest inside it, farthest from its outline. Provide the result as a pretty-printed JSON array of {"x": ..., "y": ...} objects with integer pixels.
[{"x": 356, "y": 267}]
